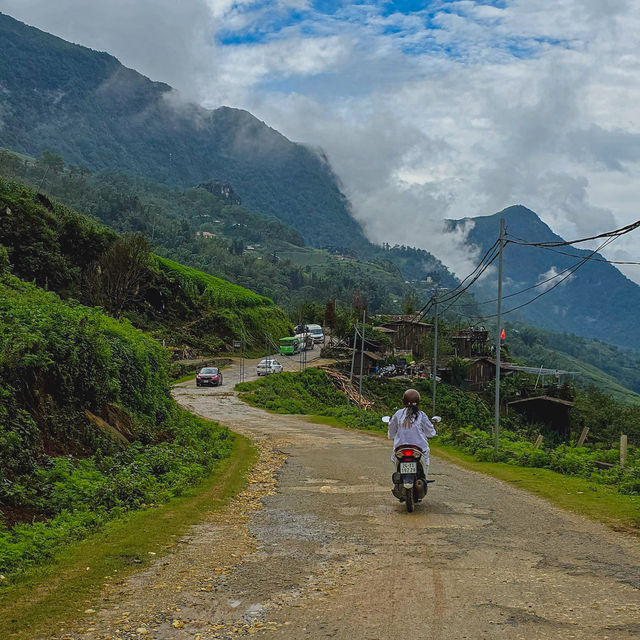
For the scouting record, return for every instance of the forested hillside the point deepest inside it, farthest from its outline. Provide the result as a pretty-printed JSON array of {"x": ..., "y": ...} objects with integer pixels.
[
  {"x": 96, "y": 113},
  {"x": 208, "y": 228},
  {"x": 66, "y": 252},
  {"x": 590, "y": 358}
]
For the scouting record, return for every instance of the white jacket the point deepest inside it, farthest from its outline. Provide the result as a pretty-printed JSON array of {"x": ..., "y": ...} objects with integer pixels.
[{"x": 413, "y": 432}]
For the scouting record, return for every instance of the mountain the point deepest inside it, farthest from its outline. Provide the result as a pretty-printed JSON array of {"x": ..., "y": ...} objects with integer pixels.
[
  {"x": 597, "y": 301},
  {"x": 95, "y": 112}
]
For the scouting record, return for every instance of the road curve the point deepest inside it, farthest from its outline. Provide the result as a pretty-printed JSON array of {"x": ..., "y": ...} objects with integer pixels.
[{"x": 318, "y": 548}]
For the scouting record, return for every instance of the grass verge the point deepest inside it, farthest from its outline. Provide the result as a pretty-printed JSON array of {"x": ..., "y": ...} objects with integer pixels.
[
  {"x": 595, "y": 501},
  {"x": 40, "y": 603},
  {"x": 184, "y": 378}
]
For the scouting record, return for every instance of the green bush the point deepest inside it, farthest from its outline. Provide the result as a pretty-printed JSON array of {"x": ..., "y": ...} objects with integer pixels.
[{"x": 58, "y": 360}]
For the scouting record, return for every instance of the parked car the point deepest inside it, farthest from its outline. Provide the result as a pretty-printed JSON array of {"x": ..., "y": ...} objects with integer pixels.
[
  {"x": 209, "y": 376},
  {"x": 315, "y": 331},
  {"x": 269, "y": 365},
  {"x": 305, "y": 340}
]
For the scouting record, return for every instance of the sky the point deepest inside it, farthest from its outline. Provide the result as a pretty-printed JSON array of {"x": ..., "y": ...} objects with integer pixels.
[{"x": 426, "y": 110}]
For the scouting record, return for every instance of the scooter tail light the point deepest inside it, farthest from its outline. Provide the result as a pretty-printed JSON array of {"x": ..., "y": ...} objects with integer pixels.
[{"x": 407, "y": 453}]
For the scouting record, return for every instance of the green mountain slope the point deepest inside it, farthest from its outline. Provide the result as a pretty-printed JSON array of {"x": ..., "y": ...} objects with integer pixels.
[
  {"x": 88, "y": 428},
  {"x": 208, "y": 228},
  {"x": 597, "y": 301},
  {"x": 93, "y": 111},
  {"x": 609, "y": 368},
  {"x": 68, "y": 253}
]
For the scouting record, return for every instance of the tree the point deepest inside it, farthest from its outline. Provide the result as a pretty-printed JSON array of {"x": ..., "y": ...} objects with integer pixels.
[
  {"x": 116, "y": 277},
  {"x": 410, "y": 304},
  {"x": 50, "y": 161},
  {"x": 459, "y": 371},
  {"x": 330, "y": 316}
]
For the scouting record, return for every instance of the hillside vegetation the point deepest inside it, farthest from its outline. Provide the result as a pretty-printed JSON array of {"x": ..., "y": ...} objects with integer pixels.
[
  {"x": 207, "y": 227},
  {"x": 78, "y": 258},
  {"x": 88, "y": 429},
  {"x": 612, "y": 370}
]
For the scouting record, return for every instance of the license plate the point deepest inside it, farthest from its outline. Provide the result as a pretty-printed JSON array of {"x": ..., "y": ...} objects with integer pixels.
[{"x": 408, "y": 467}]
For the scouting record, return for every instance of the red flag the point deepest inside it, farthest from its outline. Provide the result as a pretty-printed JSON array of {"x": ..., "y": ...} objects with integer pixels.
[{"x": 502, "y": 335}]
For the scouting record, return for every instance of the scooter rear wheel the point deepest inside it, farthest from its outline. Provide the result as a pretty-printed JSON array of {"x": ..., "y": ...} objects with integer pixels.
[{"x": 408, "y": 493}]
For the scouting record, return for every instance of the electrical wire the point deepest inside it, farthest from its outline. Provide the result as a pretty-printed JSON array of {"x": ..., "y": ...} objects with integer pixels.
[
  {"x": 454, "y": 295},
  {"x": 572, "y": 270},
  {"x": 595, "y": 259},
  {"x": 564, "y": 243},
  {"x": 427, "y": 306}
]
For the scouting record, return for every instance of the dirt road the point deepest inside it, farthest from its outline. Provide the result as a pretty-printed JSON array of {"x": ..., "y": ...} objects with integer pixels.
[{"x": 318, "y": 548}]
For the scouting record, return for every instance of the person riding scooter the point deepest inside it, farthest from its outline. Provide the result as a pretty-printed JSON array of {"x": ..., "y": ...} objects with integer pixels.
[{"x": 410, "y": 426}]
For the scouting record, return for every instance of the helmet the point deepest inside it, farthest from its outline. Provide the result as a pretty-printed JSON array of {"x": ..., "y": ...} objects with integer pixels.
[{"x": 411, "y": 397}]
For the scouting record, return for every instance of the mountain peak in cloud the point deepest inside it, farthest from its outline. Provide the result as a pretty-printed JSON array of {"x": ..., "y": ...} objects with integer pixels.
[{"x": 93, "y": 111}]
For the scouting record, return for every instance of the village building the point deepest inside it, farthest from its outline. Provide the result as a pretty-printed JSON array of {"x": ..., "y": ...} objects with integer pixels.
[
  {"x": 468, "y": 343},
  {"x": 405, "y": 331},
  {"x": 551, "y": 412}
]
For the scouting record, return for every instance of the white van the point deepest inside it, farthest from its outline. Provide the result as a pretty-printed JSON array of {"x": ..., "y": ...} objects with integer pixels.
[{"x": 315, "y": 330}]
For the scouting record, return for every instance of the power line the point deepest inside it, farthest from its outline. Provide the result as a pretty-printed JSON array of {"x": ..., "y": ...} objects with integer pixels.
[
  {"x": 596, "y": 259},
  {"x": 607, "y": 234},
  {"x": 475, "y": 275},
  {"x": 427, "y": 306},
  {"x": 571, "y": 270},
  {"x": 610, "y": 237}
]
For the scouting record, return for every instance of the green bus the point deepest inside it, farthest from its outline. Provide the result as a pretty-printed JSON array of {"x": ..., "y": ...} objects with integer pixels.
[{"x": 289, "y": 346}]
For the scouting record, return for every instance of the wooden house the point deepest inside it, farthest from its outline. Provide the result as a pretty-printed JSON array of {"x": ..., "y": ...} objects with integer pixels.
[
  {"x": 405, "y": 332},
  {"x": 468, "y": 343},
  {"x": 551, "y": 412}
]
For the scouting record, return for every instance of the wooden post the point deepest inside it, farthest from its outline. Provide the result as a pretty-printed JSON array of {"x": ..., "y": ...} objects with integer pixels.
[
  {"x": 583, "y": 437},
  {"x": 623, "y": 450},
  {"x": 538, "y": 441}
]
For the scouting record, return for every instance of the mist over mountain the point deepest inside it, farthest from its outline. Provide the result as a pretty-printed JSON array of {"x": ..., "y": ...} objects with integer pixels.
[
  {"x": 95, "y": 112},
  {"x": 596, "y": 301}
]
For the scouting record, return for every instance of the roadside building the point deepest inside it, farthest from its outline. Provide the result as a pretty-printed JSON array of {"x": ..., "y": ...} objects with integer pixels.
[
  {"x": 551, "y": 412},
  {"x": 468, "y": 343},
  {"x": 405, "y": 332}
]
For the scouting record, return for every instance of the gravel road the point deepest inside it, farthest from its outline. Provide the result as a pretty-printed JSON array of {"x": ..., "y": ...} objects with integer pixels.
[{"x": 317, "y": 547}]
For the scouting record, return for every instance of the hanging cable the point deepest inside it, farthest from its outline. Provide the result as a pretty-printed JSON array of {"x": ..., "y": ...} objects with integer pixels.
[{"x": 607, "y": 234}]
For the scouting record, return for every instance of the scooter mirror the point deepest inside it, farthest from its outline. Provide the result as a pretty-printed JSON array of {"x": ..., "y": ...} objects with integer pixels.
[
  {"x": 436, "y": 419},
  {"x": 386, "y": 419}
]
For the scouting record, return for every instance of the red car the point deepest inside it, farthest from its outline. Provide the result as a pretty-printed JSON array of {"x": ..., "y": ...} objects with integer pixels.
[{"x": 209, "y": 376}]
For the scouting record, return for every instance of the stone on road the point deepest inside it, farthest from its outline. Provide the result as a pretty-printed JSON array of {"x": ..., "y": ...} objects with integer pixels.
[{"x": 317, "y": 547}]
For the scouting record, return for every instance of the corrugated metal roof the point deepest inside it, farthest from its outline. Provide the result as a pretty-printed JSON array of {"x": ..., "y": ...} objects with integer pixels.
[{"x": 545, "y": 398}]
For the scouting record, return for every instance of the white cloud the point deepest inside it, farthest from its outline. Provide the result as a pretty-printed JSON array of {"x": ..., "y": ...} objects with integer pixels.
[{"x": 553, "y": 278}]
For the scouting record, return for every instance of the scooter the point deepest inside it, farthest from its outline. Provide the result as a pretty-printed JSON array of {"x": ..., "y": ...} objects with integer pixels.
[{"x": 409, "y": 483}]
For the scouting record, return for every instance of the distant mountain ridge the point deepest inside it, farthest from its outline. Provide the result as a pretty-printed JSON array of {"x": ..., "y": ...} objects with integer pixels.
[
  {"x": 598, "y": 301},
  {"x": 95, "y": 112}
]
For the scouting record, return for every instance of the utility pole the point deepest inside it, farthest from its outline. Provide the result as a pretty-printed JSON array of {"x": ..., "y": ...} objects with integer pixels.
[
  {"x": 496, "y": 424},
  {"x": 364, "y": 316},
  {"x": 353, "y": 353},
  {"x": 242, "y": 357},
  {"x": 435, "y": 354}
]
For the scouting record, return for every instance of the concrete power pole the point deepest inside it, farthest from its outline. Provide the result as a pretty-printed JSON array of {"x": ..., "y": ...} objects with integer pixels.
[
  {"x": 435, "y": 354},
  {"x": 364, "y": 317},
  {"x": 353, "y": 352},
  {"x": 496, "y": 424}
]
